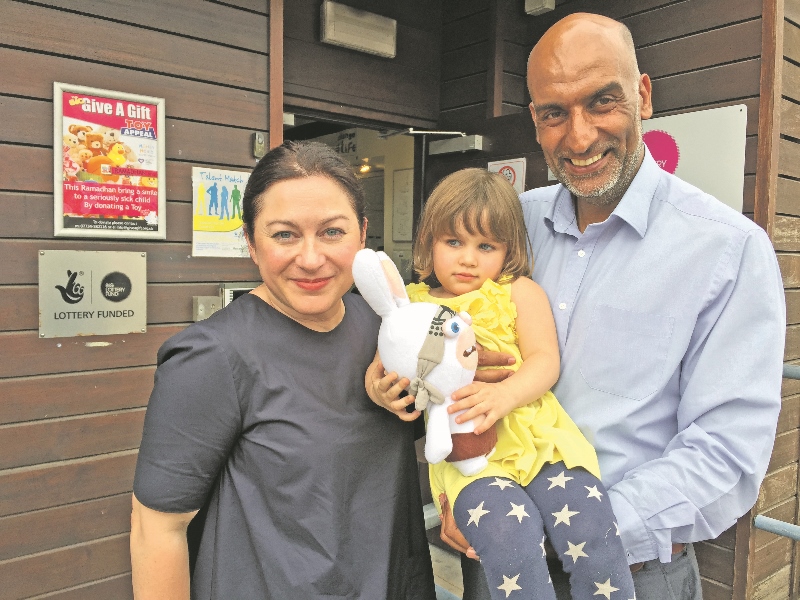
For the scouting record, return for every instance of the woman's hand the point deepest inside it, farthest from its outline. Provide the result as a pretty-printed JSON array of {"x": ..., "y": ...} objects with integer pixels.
[
  {"x": 450, "y": 533},
  {"x": 384, "y": 389}
]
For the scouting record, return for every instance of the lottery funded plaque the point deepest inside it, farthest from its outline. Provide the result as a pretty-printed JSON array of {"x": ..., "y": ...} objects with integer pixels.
[{"x": 92, "y": 293}]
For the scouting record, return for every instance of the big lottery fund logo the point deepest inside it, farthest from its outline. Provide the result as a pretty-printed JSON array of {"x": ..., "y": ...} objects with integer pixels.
[
  {"x": 72, "y": 292},
  {"x": 115, "y": 286}
]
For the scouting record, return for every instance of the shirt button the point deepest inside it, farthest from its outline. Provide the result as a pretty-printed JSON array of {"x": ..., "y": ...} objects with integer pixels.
[
  {"x": 581, "y": 253},
  {"x": 562, "y": 306}
]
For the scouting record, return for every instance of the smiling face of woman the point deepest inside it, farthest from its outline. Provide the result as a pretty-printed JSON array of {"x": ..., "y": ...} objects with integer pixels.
[{"x": 305, "y": 237}]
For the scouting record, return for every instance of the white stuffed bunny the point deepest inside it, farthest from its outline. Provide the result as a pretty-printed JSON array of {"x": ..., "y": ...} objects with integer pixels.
[{"x": 434, "y": 348}]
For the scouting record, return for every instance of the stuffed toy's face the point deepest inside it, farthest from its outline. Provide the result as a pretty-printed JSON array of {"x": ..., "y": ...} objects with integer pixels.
[{"x": 466, "y": 348}]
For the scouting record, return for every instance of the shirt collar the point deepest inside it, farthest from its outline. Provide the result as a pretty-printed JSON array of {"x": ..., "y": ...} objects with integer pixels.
[{"x": 633, "y": 209}]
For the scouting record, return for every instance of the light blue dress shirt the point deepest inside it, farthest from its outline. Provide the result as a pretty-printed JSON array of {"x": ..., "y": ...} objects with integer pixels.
[{"x": 671, "y": 323}]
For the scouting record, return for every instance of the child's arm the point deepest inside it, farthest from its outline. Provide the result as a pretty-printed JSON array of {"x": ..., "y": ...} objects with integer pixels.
[
  {"x": 538, "y": 344},
  {"x": 384, "y": 389}
]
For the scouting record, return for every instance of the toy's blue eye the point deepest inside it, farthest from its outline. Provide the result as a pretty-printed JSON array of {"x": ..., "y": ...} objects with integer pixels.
[{"x": 451, "y": 328}]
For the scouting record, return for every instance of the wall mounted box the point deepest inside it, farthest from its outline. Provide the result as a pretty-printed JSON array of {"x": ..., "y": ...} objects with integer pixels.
[
  {"x": 358, "y": 29},
  {"x": 456, "y": 144},
  {"x": 538, "y": 7}
]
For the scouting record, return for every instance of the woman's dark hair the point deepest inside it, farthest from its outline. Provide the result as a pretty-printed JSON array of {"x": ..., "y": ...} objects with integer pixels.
[{"x": 296, "y": 160}]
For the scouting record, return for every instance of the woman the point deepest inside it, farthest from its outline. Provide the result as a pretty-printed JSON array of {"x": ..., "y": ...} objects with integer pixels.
[{"x": 259, "y": 416}]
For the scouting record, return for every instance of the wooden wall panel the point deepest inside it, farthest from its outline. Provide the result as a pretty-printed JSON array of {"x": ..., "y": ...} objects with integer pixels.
[
  {"x": 186, "y": 99},
  {"x": 71, "y": 409},
  {"x": 64, "y": 568},
  {"x": 776, "y": 586},
  {"x": 700, "y": 51},
  {"x": 25, "y": 353},
  {"x": 118, "y": 587},
  {"x": 786, "y": 238},
  {"x": 717, "y": 562},
  {"x": 784, "y": 512},
  {"x": 79, "y": 393},
  {"x": 75, "y": 437},
  {"x": 174, "y": 55},
  {"x": 57, "y": 484},
  {"x": 42, "y": 530},
  {"x": 402, "y": 90}
]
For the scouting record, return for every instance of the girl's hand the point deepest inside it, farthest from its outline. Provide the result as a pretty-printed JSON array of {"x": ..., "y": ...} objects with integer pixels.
[
  {"x": 385, "y": 389},
  {"x": 485, "y": 402}
]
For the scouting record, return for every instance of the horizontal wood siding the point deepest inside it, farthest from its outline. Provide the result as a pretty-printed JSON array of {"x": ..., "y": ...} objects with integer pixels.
[
  {"x": 780, "y": 553},
  {"x": 325, "y": 78},
  {"x": 71, "y": 411},
  {"x": 699, "y": 54}
]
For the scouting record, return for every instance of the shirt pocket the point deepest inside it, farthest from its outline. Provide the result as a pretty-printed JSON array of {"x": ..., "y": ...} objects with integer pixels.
[{"x": 625, "y": 352}]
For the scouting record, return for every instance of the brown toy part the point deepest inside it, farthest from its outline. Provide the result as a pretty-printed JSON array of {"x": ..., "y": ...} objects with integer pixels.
[
  {"x": 469, "y": 445},
  {"x": 94, "y": 142},
  {"x": 80, "y": 131}
]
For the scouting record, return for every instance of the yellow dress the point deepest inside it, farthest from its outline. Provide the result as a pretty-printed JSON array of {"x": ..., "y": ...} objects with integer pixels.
[{"x": 528, "y": 437}]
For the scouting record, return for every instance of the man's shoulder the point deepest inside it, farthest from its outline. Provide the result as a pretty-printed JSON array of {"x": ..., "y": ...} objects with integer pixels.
[
  {"x": 703, "y": 209},
  {"x": 538, "y": 202},
  {"x": 542, "y": 196}
]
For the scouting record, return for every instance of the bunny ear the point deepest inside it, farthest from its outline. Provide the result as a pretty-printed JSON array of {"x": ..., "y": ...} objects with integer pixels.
[
  {"x": 396, "y": 285},
  {"x": 373, "y": 283}
]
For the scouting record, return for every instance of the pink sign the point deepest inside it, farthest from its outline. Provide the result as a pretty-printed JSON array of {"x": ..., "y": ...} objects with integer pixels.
[{"x": 664, "y": 149}]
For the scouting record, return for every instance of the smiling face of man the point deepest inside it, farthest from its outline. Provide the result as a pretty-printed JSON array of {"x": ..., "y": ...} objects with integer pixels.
[{"x": 588, "y": 100}]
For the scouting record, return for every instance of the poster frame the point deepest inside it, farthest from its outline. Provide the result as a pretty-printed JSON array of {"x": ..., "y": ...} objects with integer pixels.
[{"x": 59, "y": 230}]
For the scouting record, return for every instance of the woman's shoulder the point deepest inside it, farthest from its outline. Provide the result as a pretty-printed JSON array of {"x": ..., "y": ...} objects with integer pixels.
[
  {"x": 357, "y": 307},
  {"x": 225, "y": 328}
]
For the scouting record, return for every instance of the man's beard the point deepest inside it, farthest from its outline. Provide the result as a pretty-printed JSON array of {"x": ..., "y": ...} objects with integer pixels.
[{"x": 617, "y": 182}]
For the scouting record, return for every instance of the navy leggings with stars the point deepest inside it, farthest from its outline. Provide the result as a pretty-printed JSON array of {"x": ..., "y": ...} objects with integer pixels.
[{"x": 507, "y": 523}]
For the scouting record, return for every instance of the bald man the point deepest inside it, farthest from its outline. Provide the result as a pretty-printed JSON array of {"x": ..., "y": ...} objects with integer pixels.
[{"x": 669, "y": 310}]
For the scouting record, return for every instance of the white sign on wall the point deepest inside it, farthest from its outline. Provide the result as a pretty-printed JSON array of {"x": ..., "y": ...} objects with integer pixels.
[
  {"x": 512, "y": 169},
  {"x": 704, "y": 148}
]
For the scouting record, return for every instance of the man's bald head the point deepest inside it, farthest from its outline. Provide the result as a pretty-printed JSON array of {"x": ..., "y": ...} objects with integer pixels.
[
  {"x": 580, "y": 36},
  {"x": 588, "y": 100}
]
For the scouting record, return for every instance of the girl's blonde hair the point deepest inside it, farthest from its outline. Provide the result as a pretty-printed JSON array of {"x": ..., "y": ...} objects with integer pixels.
[{"x": 478, "y": 201}]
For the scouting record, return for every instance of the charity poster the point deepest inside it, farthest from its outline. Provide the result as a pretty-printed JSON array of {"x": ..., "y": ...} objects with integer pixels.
[
  {"x": 217, "y": 212},
  {"x": 108, "y": 164}
]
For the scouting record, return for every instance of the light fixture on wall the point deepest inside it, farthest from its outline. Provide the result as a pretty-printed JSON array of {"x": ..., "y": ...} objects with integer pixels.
[
  {"x": 538, "y": 7},
  {"x": 365, "y": 168},
  {"x": 358, "y": 29}
]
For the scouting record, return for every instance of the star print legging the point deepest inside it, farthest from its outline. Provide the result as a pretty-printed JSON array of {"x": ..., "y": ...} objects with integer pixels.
[{"x": 506, "y": 524}]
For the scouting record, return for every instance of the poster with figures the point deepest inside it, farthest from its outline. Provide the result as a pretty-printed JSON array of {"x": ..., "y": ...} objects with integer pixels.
[
  {"x": 108, "y": 164},
  {"x": 217, "y": 212}
]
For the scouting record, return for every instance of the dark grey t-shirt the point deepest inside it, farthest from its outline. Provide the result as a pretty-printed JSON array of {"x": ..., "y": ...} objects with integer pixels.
[{"x": 311, "y": 489}]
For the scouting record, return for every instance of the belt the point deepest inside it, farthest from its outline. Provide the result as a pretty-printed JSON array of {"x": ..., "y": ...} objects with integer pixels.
[{"x": 676, "y": 549}]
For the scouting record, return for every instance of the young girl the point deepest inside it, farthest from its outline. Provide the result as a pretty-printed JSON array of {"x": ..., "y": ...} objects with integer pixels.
[{"x": 471, "y": 252}]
